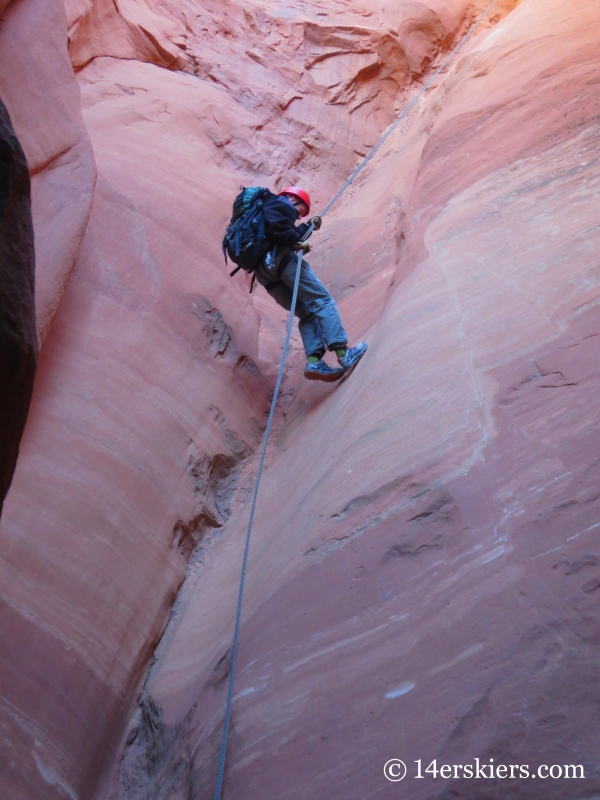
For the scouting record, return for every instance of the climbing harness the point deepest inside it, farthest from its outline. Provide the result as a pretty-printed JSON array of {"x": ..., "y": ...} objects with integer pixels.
[{"x": 238, "y": 616}]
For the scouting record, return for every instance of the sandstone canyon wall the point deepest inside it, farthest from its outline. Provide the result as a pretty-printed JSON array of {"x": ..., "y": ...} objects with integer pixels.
[
  {"x": 424, "y": 574},
  {"x": 42, "y": 97},
  {"x": 18, "y": 340},
  {"x": 38, "y": 87}
]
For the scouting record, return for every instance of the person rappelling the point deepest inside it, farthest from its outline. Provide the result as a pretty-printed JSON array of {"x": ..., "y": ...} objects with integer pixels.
[
  {"x": 267, "y": 248},
  {"x": 263, "y": 238}
]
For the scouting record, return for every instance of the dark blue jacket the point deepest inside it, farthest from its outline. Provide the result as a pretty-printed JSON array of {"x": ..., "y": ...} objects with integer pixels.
[{"x": 280, "y": 222}]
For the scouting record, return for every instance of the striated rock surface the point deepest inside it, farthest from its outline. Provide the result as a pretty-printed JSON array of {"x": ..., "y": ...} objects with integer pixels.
[
  {"x": 147, "y": 402},
  {"x": 41, "y": 94},
  {"x": 319, "y": 83},
  {"x": 423, "y": 576},
  {"x": 129, "y": 29},
  {"x": 423, "y": 572}
]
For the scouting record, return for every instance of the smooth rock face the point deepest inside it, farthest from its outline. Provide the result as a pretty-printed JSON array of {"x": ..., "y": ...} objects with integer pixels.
[
  {"x": 40, "y": 91},
  {"x": 423, "y": 578},
  {"x": 18, "y": 341},
  {"x": 148, "y": 391},
  {"x": 423, "y": 572}
]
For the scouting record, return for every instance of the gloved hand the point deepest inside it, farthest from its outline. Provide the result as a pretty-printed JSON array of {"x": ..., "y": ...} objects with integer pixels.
[
  {"x": 304, "y": 246},
  {"x": 316, "y": 222}
]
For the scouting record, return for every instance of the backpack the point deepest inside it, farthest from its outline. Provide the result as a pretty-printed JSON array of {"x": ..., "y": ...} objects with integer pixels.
[{"x": 245, "y": 241}]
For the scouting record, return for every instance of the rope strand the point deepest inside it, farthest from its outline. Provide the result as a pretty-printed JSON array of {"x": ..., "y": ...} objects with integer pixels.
[{"x": 238, "y": 616}]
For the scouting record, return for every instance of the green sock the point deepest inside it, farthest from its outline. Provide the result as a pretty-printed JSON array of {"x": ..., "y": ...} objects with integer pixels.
[
  {"x": 313, "y": 359},
  {"x": 341, "y": 352}
]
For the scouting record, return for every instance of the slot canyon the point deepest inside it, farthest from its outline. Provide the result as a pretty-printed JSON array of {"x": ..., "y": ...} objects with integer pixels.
[{"x": 424, "y": 573}]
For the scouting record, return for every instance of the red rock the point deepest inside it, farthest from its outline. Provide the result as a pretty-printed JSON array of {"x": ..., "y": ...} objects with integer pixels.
[
  {"x": 127, "y": 29},
  {"x": 408, "y": 597},
  {"x": 45, "y": 109},
  {"x": 423, "y": 568},
  {"x": 156, "y": 397}
]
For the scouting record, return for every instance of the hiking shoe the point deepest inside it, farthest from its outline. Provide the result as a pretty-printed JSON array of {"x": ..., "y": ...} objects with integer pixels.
[
  {"x": 353, "y": 356},
  {"x": 322, "y": 372}
]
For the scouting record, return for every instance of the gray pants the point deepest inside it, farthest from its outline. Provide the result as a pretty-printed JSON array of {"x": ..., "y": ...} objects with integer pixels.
[{"x": 319, "y": 324}]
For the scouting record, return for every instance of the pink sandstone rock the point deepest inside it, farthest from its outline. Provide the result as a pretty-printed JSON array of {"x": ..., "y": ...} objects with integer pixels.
[
  {"x": 124, "y": 29},
  {"x": 423, "y": 572},
  {"x": 42, "y": 97},
  {"x": 412, "y": 591},
  {"x": 150, "y": 329}
]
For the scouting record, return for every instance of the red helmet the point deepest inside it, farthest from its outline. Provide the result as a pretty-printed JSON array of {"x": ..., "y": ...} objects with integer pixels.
[{"x": 296, "y": 191}]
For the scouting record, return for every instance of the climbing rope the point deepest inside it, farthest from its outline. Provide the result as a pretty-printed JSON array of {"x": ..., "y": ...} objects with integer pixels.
[{"x": 238, "y": 616}]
